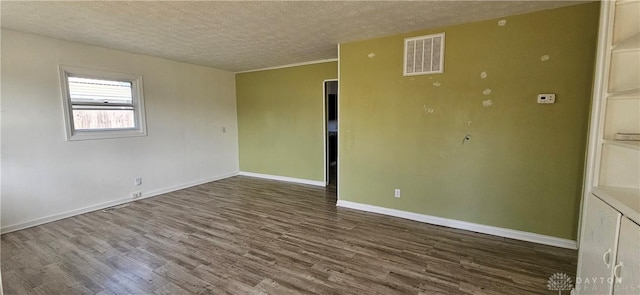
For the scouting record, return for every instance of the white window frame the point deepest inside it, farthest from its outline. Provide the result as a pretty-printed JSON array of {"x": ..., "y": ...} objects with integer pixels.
[{"x": 140, "y": 128}]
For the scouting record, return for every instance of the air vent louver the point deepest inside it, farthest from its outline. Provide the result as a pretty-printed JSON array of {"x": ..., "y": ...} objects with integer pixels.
[{"x": 424, "y": 55}]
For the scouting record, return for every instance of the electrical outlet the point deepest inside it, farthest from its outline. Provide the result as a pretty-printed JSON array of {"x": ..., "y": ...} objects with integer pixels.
[
  {"x": 136, "y": 195},
  {"x": 397, "y": 193},
  {"x": 137, "y": 181}
]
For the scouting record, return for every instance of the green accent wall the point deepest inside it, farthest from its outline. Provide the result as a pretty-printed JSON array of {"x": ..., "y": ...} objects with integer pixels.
[
  {"x": 280, "y": 120},
  {"x": 522, "y": 167}
]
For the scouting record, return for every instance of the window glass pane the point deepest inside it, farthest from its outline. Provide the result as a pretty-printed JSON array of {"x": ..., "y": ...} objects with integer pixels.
[
  {"x": 92, "y": 119},
  {"x": 100, "y": 91}
]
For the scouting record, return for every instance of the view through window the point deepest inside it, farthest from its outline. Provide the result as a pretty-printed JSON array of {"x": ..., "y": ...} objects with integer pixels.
[{"x": 100, "y": 104}]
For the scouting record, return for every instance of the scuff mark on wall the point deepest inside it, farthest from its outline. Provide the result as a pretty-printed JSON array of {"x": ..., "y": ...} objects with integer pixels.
[
  {"x": 487, "y": 103},
  {"x": 486, "y": 91},
  {"x": 502, "y": 22},
  {"x": 483, "y": 75},
  {"x": 544, "y": 57},
  {"x": 371, "y": 55},
  {"x": 428, "y": 109},
  {"x": 436, "y": 84}
]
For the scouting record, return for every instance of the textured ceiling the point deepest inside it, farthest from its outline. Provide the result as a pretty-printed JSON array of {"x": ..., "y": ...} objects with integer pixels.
[{"x": 243, "y": 35}]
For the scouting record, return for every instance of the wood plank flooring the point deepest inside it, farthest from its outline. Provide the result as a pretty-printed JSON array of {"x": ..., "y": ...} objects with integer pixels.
[{"x": 249, "y": 236}]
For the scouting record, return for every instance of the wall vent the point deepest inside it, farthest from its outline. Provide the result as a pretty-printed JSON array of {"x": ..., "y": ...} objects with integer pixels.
[{"x": 424, "y": 55}]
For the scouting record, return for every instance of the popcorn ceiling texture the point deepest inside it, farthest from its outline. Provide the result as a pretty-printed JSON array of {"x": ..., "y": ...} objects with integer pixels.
[{"x": 238, "y": 36}]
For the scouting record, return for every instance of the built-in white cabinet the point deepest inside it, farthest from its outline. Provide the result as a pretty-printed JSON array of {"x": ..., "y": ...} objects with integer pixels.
[
  {"x": 609, "y": 246},
  {"x": 609, "y": 257}
]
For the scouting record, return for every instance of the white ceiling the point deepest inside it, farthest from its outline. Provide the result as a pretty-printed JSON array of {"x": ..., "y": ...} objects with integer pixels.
[{"x": 245, "y": 35}]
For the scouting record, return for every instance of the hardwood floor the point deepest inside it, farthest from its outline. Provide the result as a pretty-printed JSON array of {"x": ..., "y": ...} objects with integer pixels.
[{"x": 249, "y": 236}]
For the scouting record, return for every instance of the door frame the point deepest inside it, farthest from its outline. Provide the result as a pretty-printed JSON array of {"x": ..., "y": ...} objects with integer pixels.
[{"x": 325, "y": 133}]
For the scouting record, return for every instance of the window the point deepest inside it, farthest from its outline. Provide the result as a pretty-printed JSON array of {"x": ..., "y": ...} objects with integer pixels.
[
  {"x": 99, "y": 104},
  {"x": 424, "y": 55}
]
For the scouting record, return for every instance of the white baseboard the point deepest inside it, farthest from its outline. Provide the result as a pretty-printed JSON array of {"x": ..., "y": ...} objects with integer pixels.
[
  {"x": 485, "y": 229},
  {"x": 283, "y": 178},
  {"x": 153, "y": 193}
]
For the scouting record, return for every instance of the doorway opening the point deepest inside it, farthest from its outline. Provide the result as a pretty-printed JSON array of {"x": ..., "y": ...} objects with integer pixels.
[{"x": 331, "y": 132}]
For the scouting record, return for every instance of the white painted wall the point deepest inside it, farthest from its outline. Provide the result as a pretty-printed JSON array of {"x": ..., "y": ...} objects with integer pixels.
[{"x": 45, "y": 177}]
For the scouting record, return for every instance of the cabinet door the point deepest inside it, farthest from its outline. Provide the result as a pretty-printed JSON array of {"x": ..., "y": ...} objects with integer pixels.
[
  {"x": 597, "y": 248},
  {"x": 627, "y": 269}
]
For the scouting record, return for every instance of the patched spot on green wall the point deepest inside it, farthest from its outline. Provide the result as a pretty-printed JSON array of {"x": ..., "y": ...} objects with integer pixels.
[
  {"x": 522, "y": 166},
  {"x": 280, "y": 120}
]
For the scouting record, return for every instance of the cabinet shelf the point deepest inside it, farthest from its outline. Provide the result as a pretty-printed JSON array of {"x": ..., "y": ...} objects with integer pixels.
[
  {"x": 625, "y": 94},
  {"x": 629, "y": 44},
  {"x": 623, "y": 143},
  {"x": 624, "y": 72},
  {"x": 625, "y": 200}
]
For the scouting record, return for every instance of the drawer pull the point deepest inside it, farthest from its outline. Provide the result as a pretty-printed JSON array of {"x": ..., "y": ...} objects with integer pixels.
[
  {"x": 616, "y": 272},
  {"x": 606, "y": 258}
]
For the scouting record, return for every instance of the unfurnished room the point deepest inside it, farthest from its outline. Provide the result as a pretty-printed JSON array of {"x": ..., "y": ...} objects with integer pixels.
[{"x": 320, "y": 147}]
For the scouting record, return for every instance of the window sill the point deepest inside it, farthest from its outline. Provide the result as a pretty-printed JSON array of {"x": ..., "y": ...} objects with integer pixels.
[{"x": 102, "y": 134}]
